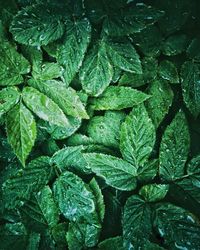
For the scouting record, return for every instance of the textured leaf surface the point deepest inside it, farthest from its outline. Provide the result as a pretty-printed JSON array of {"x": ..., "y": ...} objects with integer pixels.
[
  {"x": 96, "y": 72},
  {"x": 18, "y": 187},
  {"x": 74, "y": 200},
  {"x": 190, "y": 74},
  {"x": 115, "y": 171},
  {"x": 158, "y": 105},
  {"x": 137, "y": 213},
  {"x": 37, "y": 25},
  {"x": 21, "y": 131},
  {"x": 66, "y": 98},
  {"x": 124, "y": 56},
  {"x": 190, "y": 182},
  {"x": 169, "y": 72},
  {"x": 179, "y": 228},
  {"x": 12, "y": 65},
  {"x": 112, "y": 244},
  {"x": 117, "y": 98},
  {"x": 41, "y": 211},
  {"x": 154, "y": 192},
  {"x": 174, "y": 148},
  {"x": 8, "y": 98},
  {"x": 106, "y": 129},
  {"x": 44, "y": 107},
  {"x": 71, "y": 53},
  {"x": 137, "y": 137}
]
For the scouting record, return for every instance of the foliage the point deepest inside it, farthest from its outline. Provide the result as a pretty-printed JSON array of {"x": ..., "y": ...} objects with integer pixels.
[{"x": 99, "y": 124}]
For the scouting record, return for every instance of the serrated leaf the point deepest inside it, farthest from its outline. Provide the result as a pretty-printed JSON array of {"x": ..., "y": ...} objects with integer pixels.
[
  {"x": 117, "y": 98},
  {"x": 99, "y": 200},
  {"x": 8, "y": 98},
  {"x": 74, "y": 199},
  {"x": 21, "y": 131},
  {"x": 106, "y": 129},
  {"x": 66, "y": 98},
  {"x": 37, "y": 25},
  {"x": 18, "y": 187},
  {"x": 44, "y": 107},
  {"x": 174, "y": 148},
  {"x": 190, "y": 182},
  {"x": 115, "y": 243},
  {"x": 71, "y": 158},
  {"x": 115, "y": 171},
  {"x": 137, "y": 137},
  {"x": 96, "y": 72},
  {"x": 41, "y": 211},
  {"x": 169, "y": 72},
  {"x": 124, "y": 56},
  {"x": 148, "y": 171},
  {"x": 12, "y": 65},
  {"x": 132, "y": 20},
  {"x": 71, "y": 53},
  {"x": 190, "y": 73},
  {"x": 58, "y": 132},
  {"x": 158, "y": 105},
  {"x": 193, "y": 49},
  {"x": 149, "y": 41},
  {"x": 138, "y": 213},
  {"x": 154, "y": 192},
  {"x": 179, "y": 228}
]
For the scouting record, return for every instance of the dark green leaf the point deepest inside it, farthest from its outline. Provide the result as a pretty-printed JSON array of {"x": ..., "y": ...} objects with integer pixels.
[
  {"x": 37, "y": 25},
  {"x": 44, "y": 107},
  {"x": 117, "y": 98},
  {"x": 115, "y": 171},
  {"x": 154, "y": 192},
  {"x": 21, "y": 131},
  {"x": 168, "y": 71},
  {"x": 174, "y": 148},
  {"x": 137, "y": 137}
]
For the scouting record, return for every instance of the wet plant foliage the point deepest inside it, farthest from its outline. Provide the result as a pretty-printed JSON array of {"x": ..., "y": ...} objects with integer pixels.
[{"x": 99, "y": 124}]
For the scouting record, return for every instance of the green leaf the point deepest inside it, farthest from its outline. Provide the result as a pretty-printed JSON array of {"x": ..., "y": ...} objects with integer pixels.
[
  {"x": 138, "y": 213},
  {"x": 174, "y": 148},
  {"x": 149, "y": 41},
  {"x": 19, "y": 187},
  {"x": 116, "y": 172},
  {"x": 12, "y": 65},
  {"x": 8, "y": 98},
  {"x": 74, "y": 199},
  {"x": 37, "y": 25},
  {"x": 47, "y": 71},
  {"x": 96, "y": 72},
  {"x": 124, "y": 56},
  {"x": 106, "y": 129},
  {"x": 158, "y": 105},
  {"x": 169, "y": 72},
  {"x": 174, "y": 19},
  {"x": 58, "y": 132},
  {"x": 66, "y": 98},
  {"x": 99, "y": 200},
  {"x": 178, "y": 228},
  {"x": 72, "y": 51},
  {"x": 154, "y": 192},
  {"x": 148, "y": 171},
  {"x": 174, "y": 45},
  {"x": 71, "y": 158},
  {"x": 193, "y": 49},
  {"x": 137, "y": 137},
  {"x": 41, "y": 211},
  {"x": 21, "y": 131},
  {"x": 190, "y": 74},
  {"x": 190, "y": 182},
  {"x": 115, "y": 243},
  {"x": 44, "y": 107},
  {"x": 117, "y": 98},
  {"x": 132, "y": 20}
]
